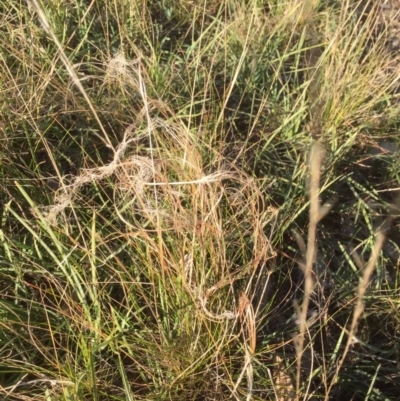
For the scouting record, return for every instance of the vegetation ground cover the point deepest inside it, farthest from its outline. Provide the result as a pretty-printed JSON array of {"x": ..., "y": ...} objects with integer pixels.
[{"x": 199, "y": 200}]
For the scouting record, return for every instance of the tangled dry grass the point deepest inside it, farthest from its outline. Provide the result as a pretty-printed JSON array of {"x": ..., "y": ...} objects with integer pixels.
[{"x": 223, "y": 197}]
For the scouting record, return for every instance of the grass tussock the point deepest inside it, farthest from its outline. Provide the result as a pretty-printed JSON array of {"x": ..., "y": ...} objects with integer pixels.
[{"x": 199, "y": 201}]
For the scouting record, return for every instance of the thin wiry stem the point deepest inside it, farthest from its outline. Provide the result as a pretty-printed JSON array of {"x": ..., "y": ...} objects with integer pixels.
[
  {"x": 316, "y": 157},
  {"x": 359, "y": 308},
  {"x": 47, "y": 28}
]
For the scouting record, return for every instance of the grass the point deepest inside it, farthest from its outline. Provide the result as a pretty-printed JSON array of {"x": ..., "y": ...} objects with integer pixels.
[{"x": 199, "y": 201}]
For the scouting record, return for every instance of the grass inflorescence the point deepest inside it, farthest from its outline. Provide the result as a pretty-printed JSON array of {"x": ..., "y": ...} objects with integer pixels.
[{"x": 199, "y": 200}]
